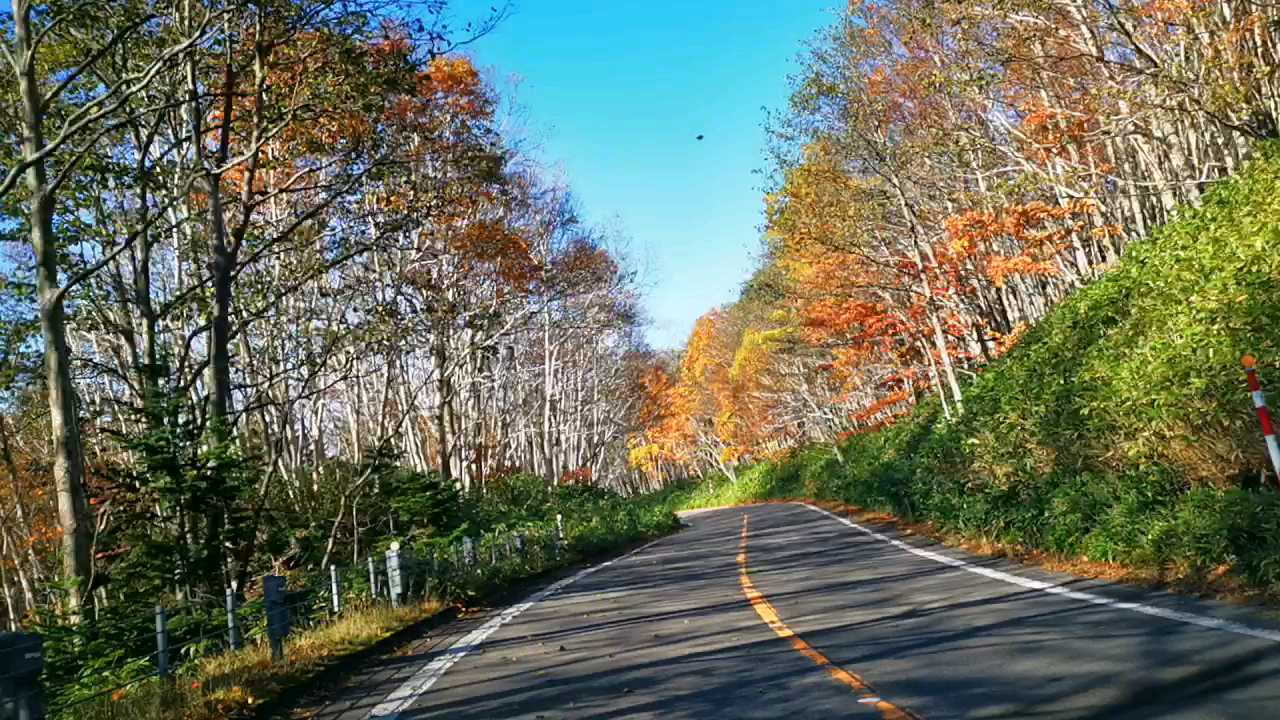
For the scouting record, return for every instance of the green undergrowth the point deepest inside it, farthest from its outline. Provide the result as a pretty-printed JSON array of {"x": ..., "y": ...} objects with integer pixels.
[
  {"x": 115, "y": 681},
  {"x": 1118, "y": 430}
]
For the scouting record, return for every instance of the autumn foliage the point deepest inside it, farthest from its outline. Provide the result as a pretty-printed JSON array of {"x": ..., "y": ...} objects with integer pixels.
[
  {"x": 298, "y": 291},
  {"x": 945, "y": 174}
]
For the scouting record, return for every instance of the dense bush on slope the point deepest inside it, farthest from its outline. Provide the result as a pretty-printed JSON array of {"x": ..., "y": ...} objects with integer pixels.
[{"x": 1118, "y": 429}]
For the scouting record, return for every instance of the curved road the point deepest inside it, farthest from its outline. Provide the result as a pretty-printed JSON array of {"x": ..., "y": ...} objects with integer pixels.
[{"x": 786, "y": 611}]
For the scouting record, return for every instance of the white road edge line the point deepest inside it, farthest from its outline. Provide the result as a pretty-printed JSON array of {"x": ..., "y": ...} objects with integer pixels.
[
  {"x": 1053, "y": 589},
  {"x": 413, "y": 688}
]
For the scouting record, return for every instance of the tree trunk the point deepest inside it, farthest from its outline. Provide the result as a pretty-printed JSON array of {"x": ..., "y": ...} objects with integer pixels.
[
  {"x": 442, "y": 412},
  {"x": 68, "y": 463}
]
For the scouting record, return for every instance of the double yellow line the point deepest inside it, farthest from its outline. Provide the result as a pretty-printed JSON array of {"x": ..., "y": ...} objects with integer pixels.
[{"x": 866, "y": 694}]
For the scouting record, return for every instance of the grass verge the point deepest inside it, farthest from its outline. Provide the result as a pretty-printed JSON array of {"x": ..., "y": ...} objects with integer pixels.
[
  {"x": 237, "y": 684},
  {"x": 247, "y": 684}
]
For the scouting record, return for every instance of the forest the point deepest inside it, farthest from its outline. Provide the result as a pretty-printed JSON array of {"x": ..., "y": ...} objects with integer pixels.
[
  {"x": 262, "y": 317},
  {"x": 1014, "y": 253},
  {"x": 284, "y": 281},
  {"x": 947, "y": 173}
]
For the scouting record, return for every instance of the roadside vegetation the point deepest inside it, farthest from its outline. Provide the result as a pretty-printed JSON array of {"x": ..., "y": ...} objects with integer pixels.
[
  {"x": 236, "y": 684},
  {"x": 280, "y": 287},
  {"x": 1013, "y": 254},
  {"x": 1118, "y": 430},
  {"x": 102, "y": 668}
]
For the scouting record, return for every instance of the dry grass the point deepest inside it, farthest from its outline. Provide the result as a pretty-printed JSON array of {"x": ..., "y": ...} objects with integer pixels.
[{"x": 233, "y": 685}]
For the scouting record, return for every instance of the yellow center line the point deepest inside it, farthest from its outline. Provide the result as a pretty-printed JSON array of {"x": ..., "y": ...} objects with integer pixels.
[{"x": 866, "y": 694}]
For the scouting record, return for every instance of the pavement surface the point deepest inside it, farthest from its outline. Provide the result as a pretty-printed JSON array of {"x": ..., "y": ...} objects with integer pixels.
[{"x": 809, "y": 617}]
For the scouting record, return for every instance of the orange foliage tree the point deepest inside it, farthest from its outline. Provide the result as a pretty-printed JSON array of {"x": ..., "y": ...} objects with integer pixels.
[{"x": 948, "y": 171}]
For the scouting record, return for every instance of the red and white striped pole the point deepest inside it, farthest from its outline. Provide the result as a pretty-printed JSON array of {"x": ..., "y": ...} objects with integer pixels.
[{"x": 1264, "y": 415}]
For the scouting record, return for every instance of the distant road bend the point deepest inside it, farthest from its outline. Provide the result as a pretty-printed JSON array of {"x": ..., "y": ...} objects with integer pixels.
[{"x": 787, "y": 611}]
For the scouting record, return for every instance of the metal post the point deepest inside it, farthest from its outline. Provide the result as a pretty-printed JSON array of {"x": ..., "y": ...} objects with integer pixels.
[
  {"x": 373, "y": 579},
  {"x": 336, "y": 589},
  {"x": 22, "y": 657},
  {"x": 162, "y": 642},
  {"x": 393, "y": 574},
  {"x": 468, "y": 551},
  {"x": 431, "y": 571},
  {"x": 277, "y": 614},
  {"x": 559, "y": 534},
  {"x": 234, "y": 638}
]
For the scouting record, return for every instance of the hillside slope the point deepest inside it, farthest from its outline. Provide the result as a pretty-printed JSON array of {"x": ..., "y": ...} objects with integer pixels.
[{"x": 1119, "y": 429}]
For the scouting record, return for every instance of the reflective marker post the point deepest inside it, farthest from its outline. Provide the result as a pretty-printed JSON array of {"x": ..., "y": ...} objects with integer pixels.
[
  {"x": 393, "y": 574},
  {"x": 1264, "y": 415},
  {"x": 559, "y": 534},
  {"x": 335, "y": 589}
]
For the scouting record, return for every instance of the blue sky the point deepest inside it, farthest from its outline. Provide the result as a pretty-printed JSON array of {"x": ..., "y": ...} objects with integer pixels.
[{"x": 614, "y": 94}]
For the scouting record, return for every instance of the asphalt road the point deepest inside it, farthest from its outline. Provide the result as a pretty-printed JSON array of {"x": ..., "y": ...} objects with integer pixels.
[{"x": 819, "y": 619}]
